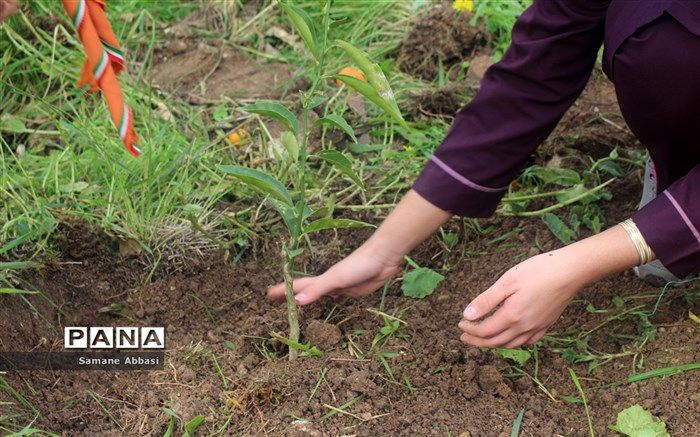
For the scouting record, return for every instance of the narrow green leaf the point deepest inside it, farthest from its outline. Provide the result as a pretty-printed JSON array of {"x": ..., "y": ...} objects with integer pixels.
[
  {"x": 339, "y": 122},
  {"x": 193, "y": 424},
  {"x": 16, "y": 291},
  {"x": 374, "y": 74},
  {"x": 289, "y": 141},
  {"x": 341, "y": 163},
  {"x": 371, "y": 94},
  {"x": 303, "y": 24},
  {"x": 421, "y": 282},
  {"x": 276, "y": 111},
  {"x": 517, "y": 423},
  {"x": 331, "y": 223},
  {"x": 260, "y": 180},
  {"x": 558, "y": 228}
]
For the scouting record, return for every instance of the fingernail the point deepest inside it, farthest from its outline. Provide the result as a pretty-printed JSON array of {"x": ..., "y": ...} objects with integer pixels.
[
  {"x": 470, "y": 312},
  {"x": 300, "y": 298}
]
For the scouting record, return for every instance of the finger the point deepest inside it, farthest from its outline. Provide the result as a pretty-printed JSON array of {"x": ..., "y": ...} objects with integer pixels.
[
  {"x": 487, "y": 301},
  {"x": 536, "y": 337},
  {"x": 491, "y": 327},
  {"x": 277, "y": 292},
  {"x": 519, "y": 340},
  {"x": 497, "y": 341}
]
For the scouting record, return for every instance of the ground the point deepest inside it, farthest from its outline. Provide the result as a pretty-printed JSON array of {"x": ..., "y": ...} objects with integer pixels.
[{"x": 223, "y": 363}]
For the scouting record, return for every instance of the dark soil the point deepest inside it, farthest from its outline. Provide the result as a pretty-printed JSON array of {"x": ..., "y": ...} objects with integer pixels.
[
  {"x": 454, "y": 388},
  {"x": 439, "y": 34}
]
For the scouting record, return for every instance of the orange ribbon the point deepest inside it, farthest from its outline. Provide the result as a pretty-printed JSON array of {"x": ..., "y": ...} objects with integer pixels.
[{"x": 104, "y": 61}]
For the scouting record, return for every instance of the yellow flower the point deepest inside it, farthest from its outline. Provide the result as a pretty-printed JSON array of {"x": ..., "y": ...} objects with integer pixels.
[{"x": 463, "y": 5}]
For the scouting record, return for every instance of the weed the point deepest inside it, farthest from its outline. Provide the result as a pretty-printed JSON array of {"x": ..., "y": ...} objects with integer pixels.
[{"x": 294, "y": 206}]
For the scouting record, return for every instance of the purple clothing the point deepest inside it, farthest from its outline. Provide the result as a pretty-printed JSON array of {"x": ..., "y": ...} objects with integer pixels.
[{"x": 652, "y": 55}]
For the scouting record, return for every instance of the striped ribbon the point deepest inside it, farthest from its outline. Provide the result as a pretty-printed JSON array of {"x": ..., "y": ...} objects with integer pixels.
[{"x": 104, "y": 61}]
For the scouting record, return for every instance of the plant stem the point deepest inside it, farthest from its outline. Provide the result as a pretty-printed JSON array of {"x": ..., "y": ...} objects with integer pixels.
[{"x": 292, "y": 313}]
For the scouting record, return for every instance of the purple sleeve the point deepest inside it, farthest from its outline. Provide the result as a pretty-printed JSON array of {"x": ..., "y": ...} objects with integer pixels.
[
  {"x": 671, "y": 225},
  {"x": 521, "y": 99}
]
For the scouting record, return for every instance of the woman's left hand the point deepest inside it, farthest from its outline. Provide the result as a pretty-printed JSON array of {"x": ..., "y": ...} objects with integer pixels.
[{"x": 534, "y": 294}]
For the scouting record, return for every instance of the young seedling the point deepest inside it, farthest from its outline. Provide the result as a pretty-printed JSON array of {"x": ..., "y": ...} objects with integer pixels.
[{"x": 288, "y": 195}]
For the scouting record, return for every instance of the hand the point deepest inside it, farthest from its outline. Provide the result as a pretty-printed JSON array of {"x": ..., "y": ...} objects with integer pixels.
[
  {"x": 535, "y": 292},
  {"x": 7, "y": 8},
  {"x": 370, "y": 266},
  {"x": 361, "y": 273}
]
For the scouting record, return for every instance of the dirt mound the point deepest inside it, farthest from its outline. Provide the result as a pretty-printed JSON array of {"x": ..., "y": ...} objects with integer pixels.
[
  {"x": 440, "y": 33},
  {"x": 210, "y": 72},
  {"x": 443, "y": 102}
]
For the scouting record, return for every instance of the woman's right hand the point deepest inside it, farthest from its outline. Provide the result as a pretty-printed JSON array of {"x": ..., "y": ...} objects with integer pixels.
[
  {"x": 361, "y": 273},
  {"x": 373, "y": 263}
]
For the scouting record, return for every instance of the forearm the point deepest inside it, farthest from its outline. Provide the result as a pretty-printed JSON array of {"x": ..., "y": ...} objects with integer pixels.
[
  {"x": 601, "y": 255},
  {"x": 412, "y": 221}
]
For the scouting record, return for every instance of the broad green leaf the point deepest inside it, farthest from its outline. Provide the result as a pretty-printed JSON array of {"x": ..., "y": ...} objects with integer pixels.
[
  {"x": 635, "y": 421},
  {"x": 303, "y": 24},
  {"x": 276, "y": 111},
  {"x": 518, "y": 356},
  {"x": 10, "y": 123},
  {"x": 611, "y": 167},
  {"x": 331, "y": 223},
  {"x": 260, "y": 180},
  {"x": 289, "y": 141},
  {"x": 373, "y": 73},
  {"x": 339, "y": 122},
  {"x": 559, "y": 228},
  {"x": 365, "y": 148},
  {"x": 559, "y": 176},
  {"x": 571, "y": 193},
  {"x": 341, "y": 163},
  {"x": 421, "y": 282},
  {"x": 220, "y": 113},
  {"x": 369, "y": 92}
]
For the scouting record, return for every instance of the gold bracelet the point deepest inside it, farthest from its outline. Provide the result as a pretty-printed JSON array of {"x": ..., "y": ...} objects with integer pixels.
[{"x": 645, "y": 253}]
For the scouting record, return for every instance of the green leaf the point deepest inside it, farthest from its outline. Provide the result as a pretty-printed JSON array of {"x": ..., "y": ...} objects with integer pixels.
[
  {"x": 370, "y": 93},
  {"x": 303, "y": 24},
  {"x": 341, "y": 163},
  {"x": 519, "y": 356},
  {"x": 289, "y": 216},
  {"x": 192, "y": 425},
  {"x": 220, "y": 113},
  {"x": 10, "y": 123},
  {"x": 276, "y": 111},
  {"x": 374, "y": 74},
  {"x": 635, "y": 421},
  {"x": 289, "y": 141},
  {"x": 259, "y": 180},
  {"x": 339, "y": 122},
  {"x": 331, "y": 223},
  {"x": 421, "y": 282},
  {"x": 517, "y": 423},
  {"x": 559, "y": 228},
  {"x": 559, "y": 176}
]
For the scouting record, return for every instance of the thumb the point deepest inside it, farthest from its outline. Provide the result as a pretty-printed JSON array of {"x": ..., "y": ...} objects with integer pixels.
[{"x": 486, "y": 301}]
